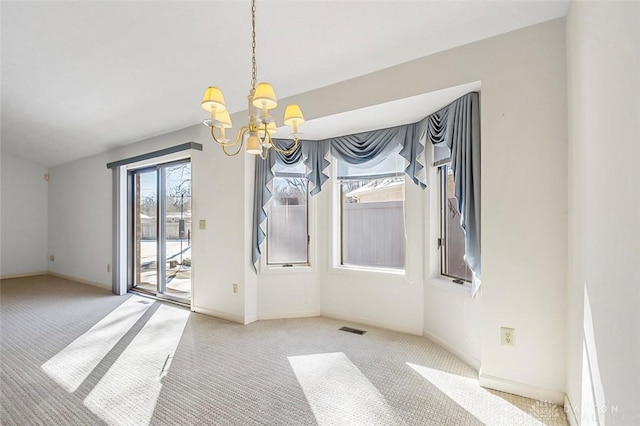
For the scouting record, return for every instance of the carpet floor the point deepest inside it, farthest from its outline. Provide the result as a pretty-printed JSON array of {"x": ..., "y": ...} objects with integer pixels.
[{"x": 72, "y": 354}]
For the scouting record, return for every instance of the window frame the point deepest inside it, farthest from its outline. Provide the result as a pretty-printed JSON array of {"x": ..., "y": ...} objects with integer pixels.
[
  {"x": 266, "y": 264},
  {"x": 339, "y": 238},
  {"x": 443, "y": 169}
]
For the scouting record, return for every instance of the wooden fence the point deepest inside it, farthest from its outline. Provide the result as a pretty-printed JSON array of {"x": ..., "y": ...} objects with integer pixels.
[{"x": 373, "y": 234}]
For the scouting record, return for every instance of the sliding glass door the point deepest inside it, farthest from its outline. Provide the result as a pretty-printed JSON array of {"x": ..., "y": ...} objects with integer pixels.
[
  {"x": 145, "y": 229},
  {"x": 161, "y": 230}
]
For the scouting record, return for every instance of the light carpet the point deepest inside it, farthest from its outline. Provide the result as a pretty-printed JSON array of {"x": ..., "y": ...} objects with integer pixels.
[{"x": 72, "y": 354}]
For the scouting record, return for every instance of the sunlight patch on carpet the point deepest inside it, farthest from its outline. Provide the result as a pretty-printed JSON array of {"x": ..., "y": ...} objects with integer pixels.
[
  {"x": 482, "y": 404},
  {"x": 72, "y": 365},
  {"x": 338, "y": 392},
  {"x": 128, "y": 392}
]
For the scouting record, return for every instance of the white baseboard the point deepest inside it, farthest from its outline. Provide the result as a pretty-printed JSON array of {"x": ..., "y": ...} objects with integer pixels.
[
  {"x": 387, "y": 326},
  {"x": 219, "y": 314},
  {"x": 468, "y": 359},
  {"x": 571, "y": 414},
  {"x": 285, "y": 315},
  {"x": 23, "y": 275},
  {"x": 81, "y": 280},
  {"x": 516, "y": 388},
  {"x": 253, "y": 318}
]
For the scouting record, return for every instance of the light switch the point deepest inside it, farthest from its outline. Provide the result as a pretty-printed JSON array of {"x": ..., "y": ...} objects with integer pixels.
[{"x": 203, "y": 224}]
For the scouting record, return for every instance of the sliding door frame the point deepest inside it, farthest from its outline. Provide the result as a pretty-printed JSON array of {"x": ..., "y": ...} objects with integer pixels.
[
  {"x": 161, "y": 226},
  {"x": 120, "y": 273}
]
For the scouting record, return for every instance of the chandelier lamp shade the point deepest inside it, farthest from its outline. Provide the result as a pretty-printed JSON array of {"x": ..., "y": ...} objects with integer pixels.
[{"x": 256, "y": 134}]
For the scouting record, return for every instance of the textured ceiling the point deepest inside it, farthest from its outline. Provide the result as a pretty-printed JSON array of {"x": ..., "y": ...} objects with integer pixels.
[{"x": 79, "y": 78}]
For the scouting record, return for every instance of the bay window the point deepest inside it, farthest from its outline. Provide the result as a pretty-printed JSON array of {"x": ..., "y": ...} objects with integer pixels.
[{"x": 287, "y": 217}]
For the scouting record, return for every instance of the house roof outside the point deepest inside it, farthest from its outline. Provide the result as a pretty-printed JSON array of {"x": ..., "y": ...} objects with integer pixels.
[{"x": 379, "y": 190}]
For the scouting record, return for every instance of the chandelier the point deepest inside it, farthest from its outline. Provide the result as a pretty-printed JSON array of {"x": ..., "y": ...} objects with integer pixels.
[{"x": 257, "y": 133}]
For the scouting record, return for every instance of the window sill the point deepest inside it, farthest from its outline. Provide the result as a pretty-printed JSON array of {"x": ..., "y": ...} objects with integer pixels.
[
  {"x": 279, "y": 269},
  {"x": 447, "y": 284},
  {"x": 342, "y": 269}
]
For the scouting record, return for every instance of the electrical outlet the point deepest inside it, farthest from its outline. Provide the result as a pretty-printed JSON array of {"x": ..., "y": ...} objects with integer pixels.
[
  {"x": 234, "y": 288},
  {"x": 507, "y": 336},
  {"x": 203, "y": 224},
  {"x": 52, "y": 258},
  {"x": 108, "y": 267}
]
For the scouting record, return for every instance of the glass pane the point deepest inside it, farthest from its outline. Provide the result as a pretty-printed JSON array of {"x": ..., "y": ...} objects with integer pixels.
[
  {"x": 146, "y": 222},
  {"x": 287, "y": 222},
  {"x": 373, "y": 222},
  {"x": 177, "y": 224},
  {"x": 454, "y": 264}
]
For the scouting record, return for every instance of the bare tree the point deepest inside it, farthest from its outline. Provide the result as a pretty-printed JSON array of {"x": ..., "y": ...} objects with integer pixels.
[
  {"x": 148, "y": 205},
  {"x": 290, "y": 190},
  {"x": 295, "y": 187},
  {"x": 179, "y": 192}
]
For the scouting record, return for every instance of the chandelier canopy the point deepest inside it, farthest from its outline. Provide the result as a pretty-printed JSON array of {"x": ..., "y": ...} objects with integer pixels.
[{"x": 257, "y": 133}]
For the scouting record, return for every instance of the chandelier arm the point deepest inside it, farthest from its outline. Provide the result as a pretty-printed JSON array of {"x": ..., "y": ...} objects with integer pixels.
[
  {"x": 241, "y": 132},
  {"x": 239, "y": 138},
  {"x": 213, "y": 136},
  {"x": 231, "y": 154},
  {"x": 296, "y": 142}
]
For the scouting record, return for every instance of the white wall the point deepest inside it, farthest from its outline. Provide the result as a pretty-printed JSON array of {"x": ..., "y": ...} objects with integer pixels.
[
  {"x": 288, "y": 294},
  {"x": 461, "y": 331},
  {"x": 24, "y": 217},
  {"x": 603, "y": 374},
  {"x": 80, "y": 220}
]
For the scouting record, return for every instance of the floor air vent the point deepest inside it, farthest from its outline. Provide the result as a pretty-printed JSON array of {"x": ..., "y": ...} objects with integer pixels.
[{"x": 352, "y": 330}]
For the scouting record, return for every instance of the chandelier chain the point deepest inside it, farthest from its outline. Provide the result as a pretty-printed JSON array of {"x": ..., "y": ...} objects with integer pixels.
[{"x": 254, "y": 71}]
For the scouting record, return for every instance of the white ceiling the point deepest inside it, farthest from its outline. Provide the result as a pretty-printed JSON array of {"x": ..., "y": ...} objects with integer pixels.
[{"x": 79, "y": 78}]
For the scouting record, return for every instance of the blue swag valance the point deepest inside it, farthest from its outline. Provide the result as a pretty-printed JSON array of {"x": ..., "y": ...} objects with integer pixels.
[{"x": 456, "y": 127}]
